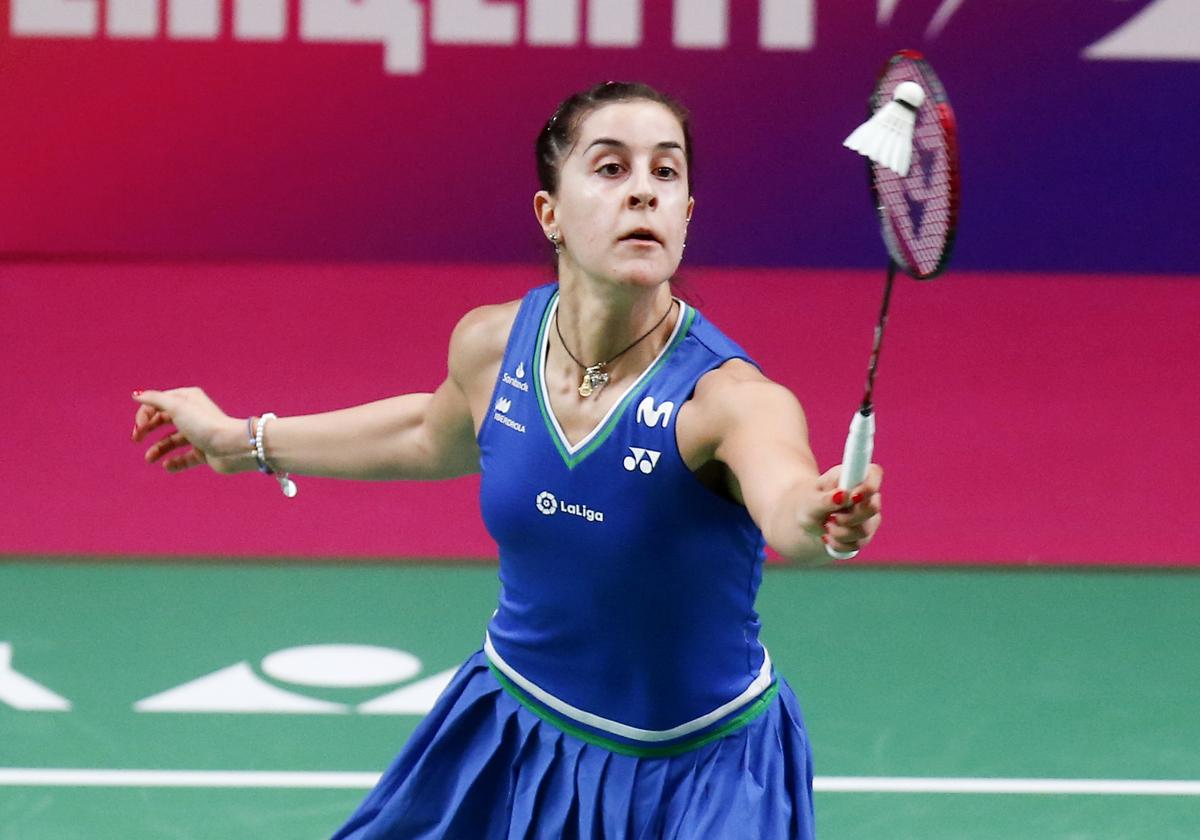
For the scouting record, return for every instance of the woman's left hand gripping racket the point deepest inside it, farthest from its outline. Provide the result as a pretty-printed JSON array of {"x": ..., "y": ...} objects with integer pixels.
[{"x": 912, "y": 146}]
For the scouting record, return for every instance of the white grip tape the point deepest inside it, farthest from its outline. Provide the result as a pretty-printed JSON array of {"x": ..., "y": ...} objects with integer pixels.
[{"x": 856, "y": 458}]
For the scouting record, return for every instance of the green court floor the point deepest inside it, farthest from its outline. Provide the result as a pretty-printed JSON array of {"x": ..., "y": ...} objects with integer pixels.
[{"x": 952, "y": 678}]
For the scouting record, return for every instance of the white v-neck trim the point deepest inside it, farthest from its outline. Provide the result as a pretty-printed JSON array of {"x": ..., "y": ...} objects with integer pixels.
[{"x": 541, "y": 363}]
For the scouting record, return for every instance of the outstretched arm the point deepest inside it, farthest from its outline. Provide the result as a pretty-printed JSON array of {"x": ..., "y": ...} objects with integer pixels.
[
  {"x": 412, "y": 436},
  {"x": 756, "y": 428}
]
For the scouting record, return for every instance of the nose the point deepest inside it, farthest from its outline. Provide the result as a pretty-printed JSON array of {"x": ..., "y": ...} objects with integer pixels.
[
  {"x": 642, "y": 198},
  {"x": 642, "y": 195}
]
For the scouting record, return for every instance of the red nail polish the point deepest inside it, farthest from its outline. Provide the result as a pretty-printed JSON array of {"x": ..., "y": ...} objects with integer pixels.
[
  {"x": 839, "y": 497},
  {"x": 856, "y": 498},
  {"x": 825, "y": 539}
]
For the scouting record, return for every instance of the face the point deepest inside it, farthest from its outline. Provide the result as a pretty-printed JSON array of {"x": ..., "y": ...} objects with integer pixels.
[{"x": 622, "y": 204}]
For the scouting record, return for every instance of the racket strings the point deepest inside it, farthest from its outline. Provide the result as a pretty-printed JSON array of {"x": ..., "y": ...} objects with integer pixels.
[{"x": 917, "y": 210}]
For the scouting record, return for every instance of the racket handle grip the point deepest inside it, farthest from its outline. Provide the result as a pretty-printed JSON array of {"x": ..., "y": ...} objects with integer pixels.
[{"x": 856, "y": 458}]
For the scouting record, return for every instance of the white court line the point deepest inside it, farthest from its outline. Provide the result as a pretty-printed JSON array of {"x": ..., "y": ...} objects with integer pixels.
[
  {"x": 52, "y": 777},
  {"x": 1088, "y": 787}
]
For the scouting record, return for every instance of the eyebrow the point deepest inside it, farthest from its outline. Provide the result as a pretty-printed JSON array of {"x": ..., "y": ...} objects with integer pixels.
[{"x": 609, "y": 141}]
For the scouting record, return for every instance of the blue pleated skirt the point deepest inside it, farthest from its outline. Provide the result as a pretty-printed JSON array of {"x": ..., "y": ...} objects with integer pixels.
[{"x": 481, "y": 766}]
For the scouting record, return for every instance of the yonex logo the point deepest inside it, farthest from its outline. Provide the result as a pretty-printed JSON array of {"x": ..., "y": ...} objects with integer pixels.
[
  {"x": 649, "y": 415},
  {"x": 503, "y": 405},
  {"x": 547, "y": 503},
  {"x": 644, "y": 460}
]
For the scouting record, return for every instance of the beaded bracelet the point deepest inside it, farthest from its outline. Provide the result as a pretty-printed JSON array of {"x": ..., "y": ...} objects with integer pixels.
[
  {"x": 262, "y": 465},
  {"x": 286, "y": 485}
]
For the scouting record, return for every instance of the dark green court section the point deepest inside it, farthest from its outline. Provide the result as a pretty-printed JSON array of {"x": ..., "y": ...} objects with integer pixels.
[{"x": 902, "y": 672}]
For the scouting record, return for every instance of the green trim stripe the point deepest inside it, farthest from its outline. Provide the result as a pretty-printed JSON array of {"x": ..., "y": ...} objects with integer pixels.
[
  {"x": 572, "y": 460},
  {"x": 539, "y": 352},
  {"x": 744, "y": 717}
]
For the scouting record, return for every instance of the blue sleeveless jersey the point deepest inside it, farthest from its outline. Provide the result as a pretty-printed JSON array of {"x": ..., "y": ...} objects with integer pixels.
[{"x": 626, "y": 610}]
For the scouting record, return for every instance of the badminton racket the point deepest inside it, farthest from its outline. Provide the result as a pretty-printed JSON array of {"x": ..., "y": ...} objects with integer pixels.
[{"x": 911, "y": 144}]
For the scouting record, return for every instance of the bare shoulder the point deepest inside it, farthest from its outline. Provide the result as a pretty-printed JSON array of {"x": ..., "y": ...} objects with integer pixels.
[
  {"x": 733, "y": 399},
  {"x": 738, "y": 389},
  {"x": 479, "y": 338}
]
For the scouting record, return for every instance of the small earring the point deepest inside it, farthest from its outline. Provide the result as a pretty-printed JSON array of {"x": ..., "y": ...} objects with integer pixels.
[{"x": 554, "y": 239}]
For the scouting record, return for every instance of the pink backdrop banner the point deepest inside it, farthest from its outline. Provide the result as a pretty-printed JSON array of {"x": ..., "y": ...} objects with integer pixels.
[{"x": 1022, "y": 418}]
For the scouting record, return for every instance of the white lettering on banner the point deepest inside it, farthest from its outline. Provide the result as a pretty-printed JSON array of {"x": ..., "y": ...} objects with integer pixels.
[
  {"x": 883, "y": 12},
  {"x": 131, "y": 18},
  {"x": 397, "y": 24},
  {"x": 701, "y": 24},
  {"x": 552, "y": 22},
  {"x": 194, "y": 19},
  {"x": 783, "y": 24},
  {"x": 614, "y": 23},
  {"x": 20, "y": 692},
  {"x": 186, "y": 19},
  {"x": 787, "y": 24},
  {"x": 55, "y": 18},
  {"x": 1166, "y": 30},
  {"x": 474, "y": 22},
  {"x": 260, "y": 20}
]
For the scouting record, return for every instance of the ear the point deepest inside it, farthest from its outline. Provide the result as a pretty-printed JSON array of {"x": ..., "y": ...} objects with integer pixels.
[
  {"x": 691, "y": 207},
  {"x": 543, "y": 209}
]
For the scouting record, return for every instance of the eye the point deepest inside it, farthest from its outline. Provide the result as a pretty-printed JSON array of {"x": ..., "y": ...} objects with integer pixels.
[
  {"x": 609, "y": 169},
  {"x": 665, "y": 172}
]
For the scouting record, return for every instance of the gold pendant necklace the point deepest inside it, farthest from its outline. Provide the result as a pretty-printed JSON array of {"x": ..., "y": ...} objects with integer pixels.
[{"x": 595, "y": 376}]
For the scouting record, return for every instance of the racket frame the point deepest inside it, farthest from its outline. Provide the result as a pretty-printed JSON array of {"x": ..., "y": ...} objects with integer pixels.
[{"x": 860, "y": 441}]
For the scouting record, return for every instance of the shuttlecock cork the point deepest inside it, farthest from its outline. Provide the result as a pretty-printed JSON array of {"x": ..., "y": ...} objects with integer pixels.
[{"x": 886, "y": 138}]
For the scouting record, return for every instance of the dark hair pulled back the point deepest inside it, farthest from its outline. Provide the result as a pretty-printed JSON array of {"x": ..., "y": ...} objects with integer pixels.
[{"x": 561, "y": 131}]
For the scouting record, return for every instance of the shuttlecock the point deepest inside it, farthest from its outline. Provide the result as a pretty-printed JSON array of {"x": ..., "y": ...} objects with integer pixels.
[{"x": 886, "y": 138}]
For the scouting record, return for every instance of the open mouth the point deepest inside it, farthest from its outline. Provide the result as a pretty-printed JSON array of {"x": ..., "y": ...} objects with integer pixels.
[{"x": 640, "y": 236}]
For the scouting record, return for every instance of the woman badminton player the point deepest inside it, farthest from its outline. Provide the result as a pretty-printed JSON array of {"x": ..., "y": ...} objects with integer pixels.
[{"x": 633, "y": 462}]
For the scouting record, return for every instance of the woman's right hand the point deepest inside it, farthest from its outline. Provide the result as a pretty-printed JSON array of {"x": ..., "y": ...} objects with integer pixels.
[{"x": 215, "y": 438}]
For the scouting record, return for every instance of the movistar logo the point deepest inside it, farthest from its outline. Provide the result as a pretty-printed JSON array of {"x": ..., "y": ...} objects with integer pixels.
[
  {"x": 548, "y": 504},
  {"x": 649, "y": 415}
]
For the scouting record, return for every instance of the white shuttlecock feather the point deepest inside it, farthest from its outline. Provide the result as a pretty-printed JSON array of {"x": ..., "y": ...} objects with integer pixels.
[{"x": 886, "y": 138}]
